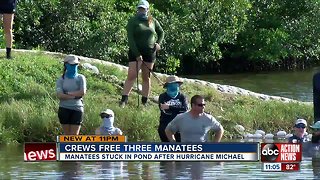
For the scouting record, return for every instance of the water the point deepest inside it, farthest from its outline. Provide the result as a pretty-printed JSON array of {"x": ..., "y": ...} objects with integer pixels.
[
  {"x": 13, "y": 167},
  {"x": 295, "y": 85}
]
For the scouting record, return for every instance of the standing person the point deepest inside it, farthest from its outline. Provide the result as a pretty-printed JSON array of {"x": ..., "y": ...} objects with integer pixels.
[
  {"x": 107, "y": 128},
  {"x": 195, "y": 124},
  {"x": 144, "y": 36},
  {"x": 70, "y": 88},
  {"x": 171, "y": 103},
  {"x": 7, "y": 9}
]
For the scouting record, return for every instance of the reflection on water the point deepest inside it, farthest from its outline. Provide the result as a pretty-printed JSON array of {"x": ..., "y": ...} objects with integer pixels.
[
  {"x": 295, "y": 85},
  {"x": 13, "y": 167},
  {"x": 69, "y": 170}
]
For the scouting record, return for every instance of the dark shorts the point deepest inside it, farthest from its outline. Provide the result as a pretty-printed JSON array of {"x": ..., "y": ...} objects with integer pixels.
[
  {"x": 149, "y": 56},
  {"x": 8, "y": 7},
  {"x": 69, "y": 116}
]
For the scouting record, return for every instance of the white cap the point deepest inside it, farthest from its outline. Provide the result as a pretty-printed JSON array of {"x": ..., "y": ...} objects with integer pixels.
[
  {"x": 108, "y": 111},
  {"x": 303, "y": 121},
  {"x": 143, "y": 4}
]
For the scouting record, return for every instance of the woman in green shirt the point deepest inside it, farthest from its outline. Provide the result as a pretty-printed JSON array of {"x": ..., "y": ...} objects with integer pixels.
[{"x": 144, "y": 37}]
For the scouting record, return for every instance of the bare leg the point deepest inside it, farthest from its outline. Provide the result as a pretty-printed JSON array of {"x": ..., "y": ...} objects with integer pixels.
[
  {"x": 7, "y": 24},
  {"x": 75, "y": 129},
  {"x": 66, "y": 129},
  {"x": 132, "y": 75},
  {"x": 146, "y": 82}
]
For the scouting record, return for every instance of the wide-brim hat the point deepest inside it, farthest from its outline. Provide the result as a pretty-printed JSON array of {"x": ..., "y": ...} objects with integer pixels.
[
  {"x": 316, "y": 125},
  {"x": 71, "y": 59},
  {"x": 172, "y": 79},
  {"x": 107, "y": 111}
]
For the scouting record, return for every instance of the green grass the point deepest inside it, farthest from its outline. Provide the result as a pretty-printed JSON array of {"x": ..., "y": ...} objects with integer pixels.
[{"x": 28, "y": 105}]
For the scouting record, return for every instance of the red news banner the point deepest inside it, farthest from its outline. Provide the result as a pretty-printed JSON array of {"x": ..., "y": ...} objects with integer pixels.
[
  {"x": 40, "y": 151},
  {"x": 281, "y": 156}
]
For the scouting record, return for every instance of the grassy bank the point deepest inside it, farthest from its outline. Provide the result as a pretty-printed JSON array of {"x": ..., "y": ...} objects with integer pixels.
[{"x": 28, "y": 105}]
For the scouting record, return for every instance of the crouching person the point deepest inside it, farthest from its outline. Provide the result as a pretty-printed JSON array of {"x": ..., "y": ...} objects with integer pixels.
[{"x": 107, "y": 128}]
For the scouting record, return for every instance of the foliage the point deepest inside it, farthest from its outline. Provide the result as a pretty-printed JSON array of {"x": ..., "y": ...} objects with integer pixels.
[
  {"x": 197, "y": 32},
  {"x": 279, "y": 30}
]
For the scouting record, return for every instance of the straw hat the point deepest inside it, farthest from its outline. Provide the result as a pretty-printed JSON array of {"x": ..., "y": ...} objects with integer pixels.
[{"x": 172, "y": 79}]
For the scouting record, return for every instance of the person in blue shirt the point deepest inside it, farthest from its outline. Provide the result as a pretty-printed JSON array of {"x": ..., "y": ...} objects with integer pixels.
[{"x": 300, "y": 129}]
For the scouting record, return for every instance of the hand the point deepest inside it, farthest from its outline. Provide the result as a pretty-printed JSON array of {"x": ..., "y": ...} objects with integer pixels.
[
  {"x": 164, "y": 106},
  {"x": 157, "y": 46},
  {"x": 139, "y": 58}
]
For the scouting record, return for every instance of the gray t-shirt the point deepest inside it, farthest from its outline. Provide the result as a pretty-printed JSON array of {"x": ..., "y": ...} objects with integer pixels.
[
  {"x": 194, "y": 129},
  {"x": 70, "y": 85}
]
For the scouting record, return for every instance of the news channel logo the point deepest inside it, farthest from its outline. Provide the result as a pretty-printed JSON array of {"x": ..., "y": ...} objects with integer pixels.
[{"x": 269, "y": 152}]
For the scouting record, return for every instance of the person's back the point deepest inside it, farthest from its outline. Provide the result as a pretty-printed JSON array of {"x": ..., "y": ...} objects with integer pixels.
[{"x": 107, "y": 127}]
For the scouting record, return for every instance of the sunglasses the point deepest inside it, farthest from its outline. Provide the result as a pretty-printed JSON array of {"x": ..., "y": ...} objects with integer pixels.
[
  {"x": 201, "y": 105},
  {"x": 300, "y": 126},
  {"x": 105, "y": 115}
]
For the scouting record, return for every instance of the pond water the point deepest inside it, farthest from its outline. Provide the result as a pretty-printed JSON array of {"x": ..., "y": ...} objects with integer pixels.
[
  {"x": 291, "y": 84},
  {"x": 13, "y": 167}
]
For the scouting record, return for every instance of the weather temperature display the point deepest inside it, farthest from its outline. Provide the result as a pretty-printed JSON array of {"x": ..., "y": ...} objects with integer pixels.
[
  {"x": 280, "y": 167},
  {"x": 290, "y": 166}
]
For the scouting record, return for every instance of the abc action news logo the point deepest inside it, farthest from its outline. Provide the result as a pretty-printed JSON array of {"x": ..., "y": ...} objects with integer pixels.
[
  {"x": 40, "y": 152},
  {"x": 281, "y": 152}
]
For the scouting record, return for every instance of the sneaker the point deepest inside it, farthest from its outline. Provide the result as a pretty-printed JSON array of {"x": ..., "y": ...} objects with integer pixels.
[{"x": 122, "y": 104}]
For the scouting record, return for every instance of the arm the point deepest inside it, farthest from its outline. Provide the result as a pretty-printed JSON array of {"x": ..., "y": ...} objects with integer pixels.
[
  {"x": 119, "y": 132},
  {"x": 83, "y": 88},
  {"x": 172, "y": 128},
  {"x": 159, "y": 31},
  {"x": 218, "y": 135},
  {"x": 130, "y": 35},
  {"x": 161, "y": 100},
  {"x": 217, "y": 128},
  {"x": 170, "y": 135},
  {"x": 60, "y": 93}
]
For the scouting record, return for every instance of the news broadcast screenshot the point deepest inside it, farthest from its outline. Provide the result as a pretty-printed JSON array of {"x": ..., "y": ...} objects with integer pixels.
[{"x": 160, "y": 89}]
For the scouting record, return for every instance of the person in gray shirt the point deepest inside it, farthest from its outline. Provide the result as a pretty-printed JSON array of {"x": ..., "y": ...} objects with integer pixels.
[
  {"x": 195, "y": 124},
  {"x": 70, "y": 88}
]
